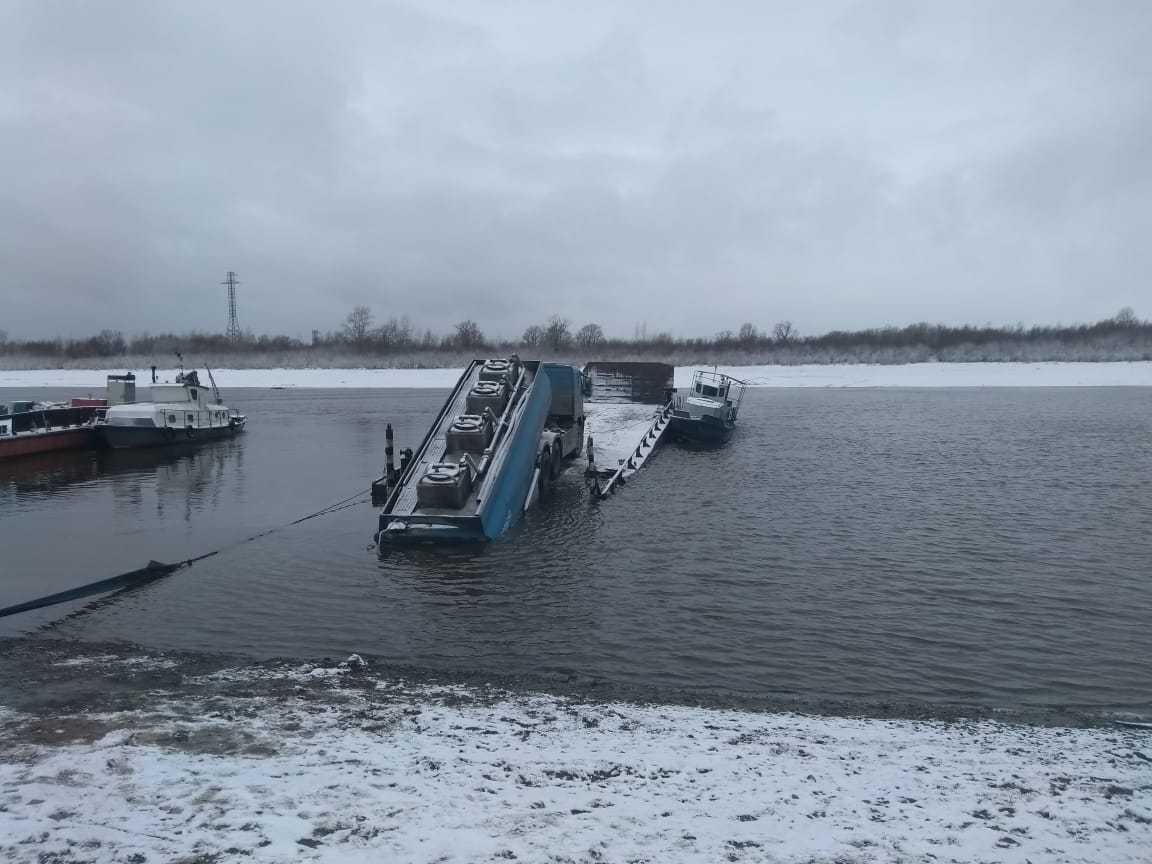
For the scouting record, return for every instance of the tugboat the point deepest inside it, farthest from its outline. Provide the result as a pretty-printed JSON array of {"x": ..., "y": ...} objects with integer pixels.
[
  {"x": 178, "y": 413},
  {"x": 708, "y": 412}
]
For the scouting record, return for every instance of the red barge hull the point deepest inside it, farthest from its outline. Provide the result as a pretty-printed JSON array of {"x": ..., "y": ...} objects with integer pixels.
[{"x": 45, "y": 442}]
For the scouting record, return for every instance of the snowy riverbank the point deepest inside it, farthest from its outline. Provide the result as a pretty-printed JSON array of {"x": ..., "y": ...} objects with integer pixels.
[
  {"x": 304, "y": 763},
  {"x": 852, "y": 375}
]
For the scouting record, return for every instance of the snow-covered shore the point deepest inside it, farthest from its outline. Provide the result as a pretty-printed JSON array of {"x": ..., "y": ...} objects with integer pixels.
[
  {"x": 1137, "y": 374},
  {"x": 331, "y": 764}
]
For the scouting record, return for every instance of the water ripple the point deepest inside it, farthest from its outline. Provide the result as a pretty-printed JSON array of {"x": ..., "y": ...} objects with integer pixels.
[{"x": 987, "y": 546}]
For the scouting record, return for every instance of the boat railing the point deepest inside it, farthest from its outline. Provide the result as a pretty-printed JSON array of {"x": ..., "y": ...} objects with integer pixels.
[{"x": 717, "y": 385}]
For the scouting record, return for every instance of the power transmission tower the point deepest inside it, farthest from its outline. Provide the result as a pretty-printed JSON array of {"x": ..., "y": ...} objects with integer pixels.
[{"x": 233, "y": 324}]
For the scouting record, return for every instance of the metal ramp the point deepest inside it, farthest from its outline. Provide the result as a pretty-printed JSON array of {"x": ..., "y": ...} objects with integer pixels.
[
  {"x": 628, "y": 410},
  {"x": 608, "y": 467}
]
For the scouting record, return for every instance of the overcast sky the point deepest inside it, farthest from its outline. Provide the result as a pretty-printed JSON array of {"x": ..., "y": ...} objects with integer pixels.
[{"x": 689, "y": 165}]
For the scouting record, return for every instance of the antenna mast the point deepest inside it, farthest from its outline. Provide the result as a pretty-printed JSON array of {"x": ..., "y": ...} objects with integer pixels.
[
  {"x": 215, "y": 389},
  {"x": 233, "y": 324}
]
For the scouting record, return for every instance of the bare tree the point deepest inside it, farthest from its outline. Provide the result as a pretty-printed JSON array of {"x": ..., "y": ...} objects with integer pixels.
[
  {"x": 533, "y": 336},
  {"x": 589, "y": 336},
  {"x": 358, "y": 326},
  {"x": 748, "y": 333},
  {"x": 556, "y": 333},
  {"x": 110, "y": 343},
  {"x": 468, "y": 335},
  {"x": 784, "y": 332},
  {"x": 395, "y": 333},
  {"x": 1126, "y": 317}
]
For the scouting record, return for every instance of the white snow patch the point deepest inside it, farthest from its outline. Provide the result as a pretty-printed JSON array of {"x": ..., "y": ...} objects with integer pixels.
[
  {"x": 548, "y": 779},
  {"x": 848, "y": 375},
  {"x": 938, "y": 375},
  {"x": 615, "y": 429}
]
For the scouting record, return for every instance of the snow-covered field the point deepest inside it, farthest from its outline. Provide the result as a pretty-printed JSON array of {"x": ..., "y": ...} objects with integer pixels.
[
  {"x": 340, "y": 766},
  {"x": 852, "y": 375}
]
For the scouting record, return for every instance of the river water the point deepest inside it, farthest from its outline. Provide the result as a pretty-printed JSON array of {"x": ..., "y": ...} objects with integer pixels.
[{"x": 974, "y": 546}]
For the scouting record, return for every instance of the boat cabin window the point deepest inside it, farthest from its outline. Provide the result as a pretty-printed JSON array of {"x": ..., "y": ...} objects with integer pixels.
[
  {"x": 189, "y": 419},
  {"x": 193, "y": 394},
  {"x": 169, "y": 393},
  {"x": 709, "y": 391},
  {"x": 171, "y": 418}
]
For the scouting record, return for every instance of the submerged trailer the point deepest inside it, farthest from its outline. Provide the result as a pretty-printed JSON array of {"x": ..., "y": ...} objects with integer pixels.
[
  {"x": 502, "y": 437},
  {"x": 496, "y": 445}
]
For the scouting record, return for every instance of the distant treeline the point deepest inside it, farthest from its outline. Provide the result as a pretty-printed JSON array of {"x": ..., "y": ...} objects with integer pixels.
[{"x": 396, "y": 343}]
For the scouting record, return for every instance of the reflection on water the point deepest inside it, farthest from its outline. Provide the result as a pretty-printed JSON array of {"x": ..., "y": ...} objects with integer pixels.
[
  {"x": 173, "y": 483},
  {"x": 187, "y": 477},
  {"x": 44, "y": 472},
  {"x": 74, "y": 517}
]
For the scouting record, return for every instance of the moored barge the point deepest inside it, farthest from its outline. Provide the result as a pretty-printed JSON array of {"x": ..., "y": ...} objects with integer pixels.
[{"x": 28, "y": 427}]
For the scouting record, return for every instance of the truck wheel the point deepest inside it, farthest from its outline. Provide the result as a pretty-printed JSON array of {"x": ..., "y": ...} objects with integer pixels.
[
  {"x": 545, "y": 482},
  {"x": 556, "y": 460}
]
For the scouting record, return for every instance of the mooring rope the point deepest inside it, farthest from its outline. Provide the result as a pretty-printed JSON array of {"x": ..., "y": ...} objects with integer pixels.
[{"x": 156, "y": 570}]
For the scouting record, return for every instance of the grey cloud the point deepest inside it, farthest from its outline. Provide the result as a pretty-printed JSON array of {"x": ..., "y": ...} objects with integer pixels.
[{"x": 678, "y": 164}]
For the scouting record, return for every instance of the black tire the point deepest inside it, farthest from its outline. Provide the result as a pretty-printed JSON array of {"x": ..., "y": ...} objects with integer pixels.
[
  {"x": 169, "y": 433},
  {"x": 556, "y": 463},
  {"x": 545, "y": 483}
]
